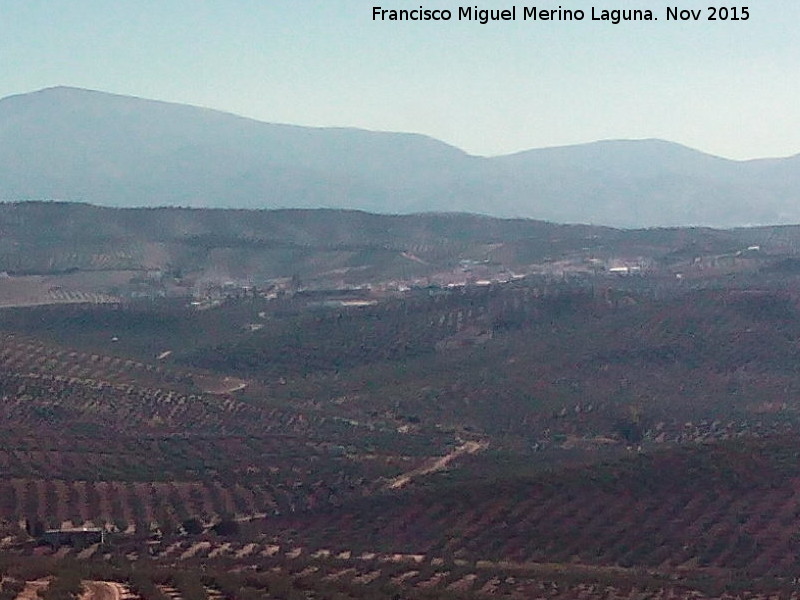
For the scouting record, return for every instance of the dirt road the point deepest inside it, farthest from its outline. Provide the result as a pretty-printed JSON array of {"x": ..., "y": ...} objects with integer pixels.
[
  {"x": 102, "y": 590},
  {"x": 31, "y": 590},
  {"x": 437, "y": 464}
]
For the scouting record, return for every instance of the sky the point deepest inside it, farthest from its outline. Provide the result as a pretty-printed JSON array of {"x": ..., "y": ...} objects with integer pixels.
[{"x": 724, "y": 87}]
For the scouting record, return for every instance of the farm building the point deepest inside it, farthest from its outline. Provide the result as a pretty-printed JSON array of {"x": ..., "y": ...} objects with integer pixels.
[{"x": 81, "y": 536}]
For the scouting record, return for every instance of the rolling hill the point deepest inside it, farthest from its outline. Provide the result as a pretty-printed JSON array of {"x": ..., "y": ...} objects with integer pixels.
[{"x": 591, "y": 413}]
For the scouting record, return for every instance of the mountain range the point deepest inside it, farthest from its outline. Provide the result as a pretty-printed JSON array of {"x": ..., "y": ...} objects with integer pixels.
[{"x": 78, "y": 145}]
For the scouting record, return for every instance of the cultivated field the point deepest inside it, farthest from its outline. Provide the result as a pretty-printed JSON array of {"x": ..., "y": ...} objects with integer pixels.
[{"x": 504, "y": 411}]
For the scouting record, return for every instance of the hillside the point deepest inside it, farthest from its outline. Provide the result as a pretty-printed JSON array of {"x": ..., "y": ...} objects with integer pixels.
[
  {"x": 724, "y": 510},
  {"x": 335, "y": 247},
  {"x": 79, "y": 145},
  {"x": 302, "y": 404}
]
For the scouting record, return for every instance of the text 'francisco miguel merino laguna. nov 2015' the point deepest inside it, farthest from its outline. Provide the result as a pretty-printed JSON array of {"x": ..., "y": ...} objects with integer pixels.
[{"x": 532, "y": 13}]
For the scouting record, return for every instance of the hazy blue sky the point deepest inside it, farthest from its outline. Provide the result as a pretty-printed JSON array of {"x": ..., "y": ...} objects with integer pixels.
[{"x": 728, "y": 88}]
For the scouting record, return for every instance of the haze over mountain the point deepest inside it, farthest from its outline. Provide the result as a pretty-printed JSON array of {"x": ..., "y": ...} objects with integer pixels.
[{"x": 79, "y": 145}]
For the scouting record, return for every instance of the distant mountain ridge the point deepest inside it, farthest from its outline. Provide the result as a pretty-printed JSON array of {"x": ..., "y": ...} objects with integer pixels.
[{"x": 78, "y": 145}]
